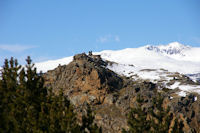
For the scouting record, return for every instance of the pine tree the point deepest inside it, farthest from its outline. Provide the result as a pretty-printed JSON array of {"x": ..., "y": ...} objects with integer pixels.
[
  {"x": 61, "y": 116},
  {"x": 27, "y": 106},
  {"x": 33, "y": 94},
  {"x": 177, "y": 127},
  {"x": 88, "y": 122},
  {"x": 8, "y": 86},
  {"x": 162, "y": 118},
  {"x": 137, "y": 119},
  {"x": 156, "y": 119}
]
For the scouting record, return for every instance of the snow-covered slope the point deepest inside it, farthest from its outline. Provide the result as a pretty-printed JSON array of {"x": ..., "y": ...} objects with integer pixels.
[
  {"x": 160, "y": 63},
  {"x": 173, "y": 57},
  {"x": 51, "y": 64},
  {"x": 174, "y": 48},
  {"x": 177, "y": 51}
]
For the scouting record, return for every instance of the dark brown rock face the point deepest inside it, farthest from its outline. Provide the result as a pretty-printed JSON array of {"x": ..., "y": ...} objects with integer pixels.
[
  {"x": 189, "y": 107},
  {"x": 87, "y": 80},
  {"x": 86, "y": 77}
]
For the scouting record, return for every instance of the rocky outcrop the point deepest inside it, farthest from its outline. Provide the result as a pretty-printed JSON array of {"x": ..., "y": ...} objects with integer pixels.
[
  {"x": 86, "y": 80},
  {"x": 86, "y": 77},
  {"x": 189, "y": 107}
]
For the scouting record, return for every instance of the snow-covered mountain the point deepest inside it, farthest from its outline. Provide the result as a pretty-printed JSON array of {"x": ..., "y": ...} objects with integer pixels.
[
  {"x": 174, "y": 48},
  {"x": 174, "y": 57},
  {"x": 154, "y": 63}
]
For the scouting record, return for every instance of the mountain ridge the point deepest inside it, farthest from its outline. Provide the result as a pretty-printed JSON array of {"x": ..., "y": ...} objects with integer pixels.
[
  {"x": 171, "y": 48},
  {"x": 180, "y": 55},
  {"x": 144, "y": 64}
]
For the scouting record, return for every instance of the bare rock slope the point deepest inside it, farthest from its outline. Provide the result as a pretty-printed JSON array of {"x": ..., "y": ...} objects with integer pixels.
[{"x": 86, "y": 80}]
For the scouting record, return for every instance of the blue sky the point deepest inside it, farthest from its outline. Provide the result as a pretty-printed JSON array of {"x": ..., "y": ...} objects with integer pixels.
[{"x": 50, "y": 29}]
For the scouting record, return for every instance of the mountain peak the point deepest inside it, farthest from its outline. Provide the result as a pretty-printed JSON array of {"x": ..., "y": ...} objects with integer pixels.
[
  {"x": 174, "y": 45},
  {"x": 170, "y": 49}
]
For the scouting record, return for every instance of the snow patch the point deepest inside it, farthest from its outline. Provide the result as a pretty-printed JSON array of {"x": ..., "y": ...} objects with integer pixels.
[
  {"x": 174, "y": 86},
  {"x": 185, "y": 88},
  {"x": 182, "y": 93},
  {"x": 195, "y": 98}
]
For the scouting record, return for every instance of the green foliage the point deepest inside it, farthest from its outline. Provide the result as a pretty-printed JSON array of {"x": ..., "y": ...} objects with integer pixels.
[
  {"x": 8, "y": 87},
  {"x": 88, "y": 123},
  {"x": 155, "y": 119},
  {"x": 161, "y": 117},
  {"x": 178, "y": 127},
  {"x": 137, "y": 121},
  {"x": 26, "y": 106}
]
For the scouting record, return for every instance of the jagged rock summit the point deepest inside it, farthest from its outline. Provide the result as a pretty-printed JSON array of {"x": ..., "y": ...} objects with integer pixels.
[{"x": 86, "y": 74}]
